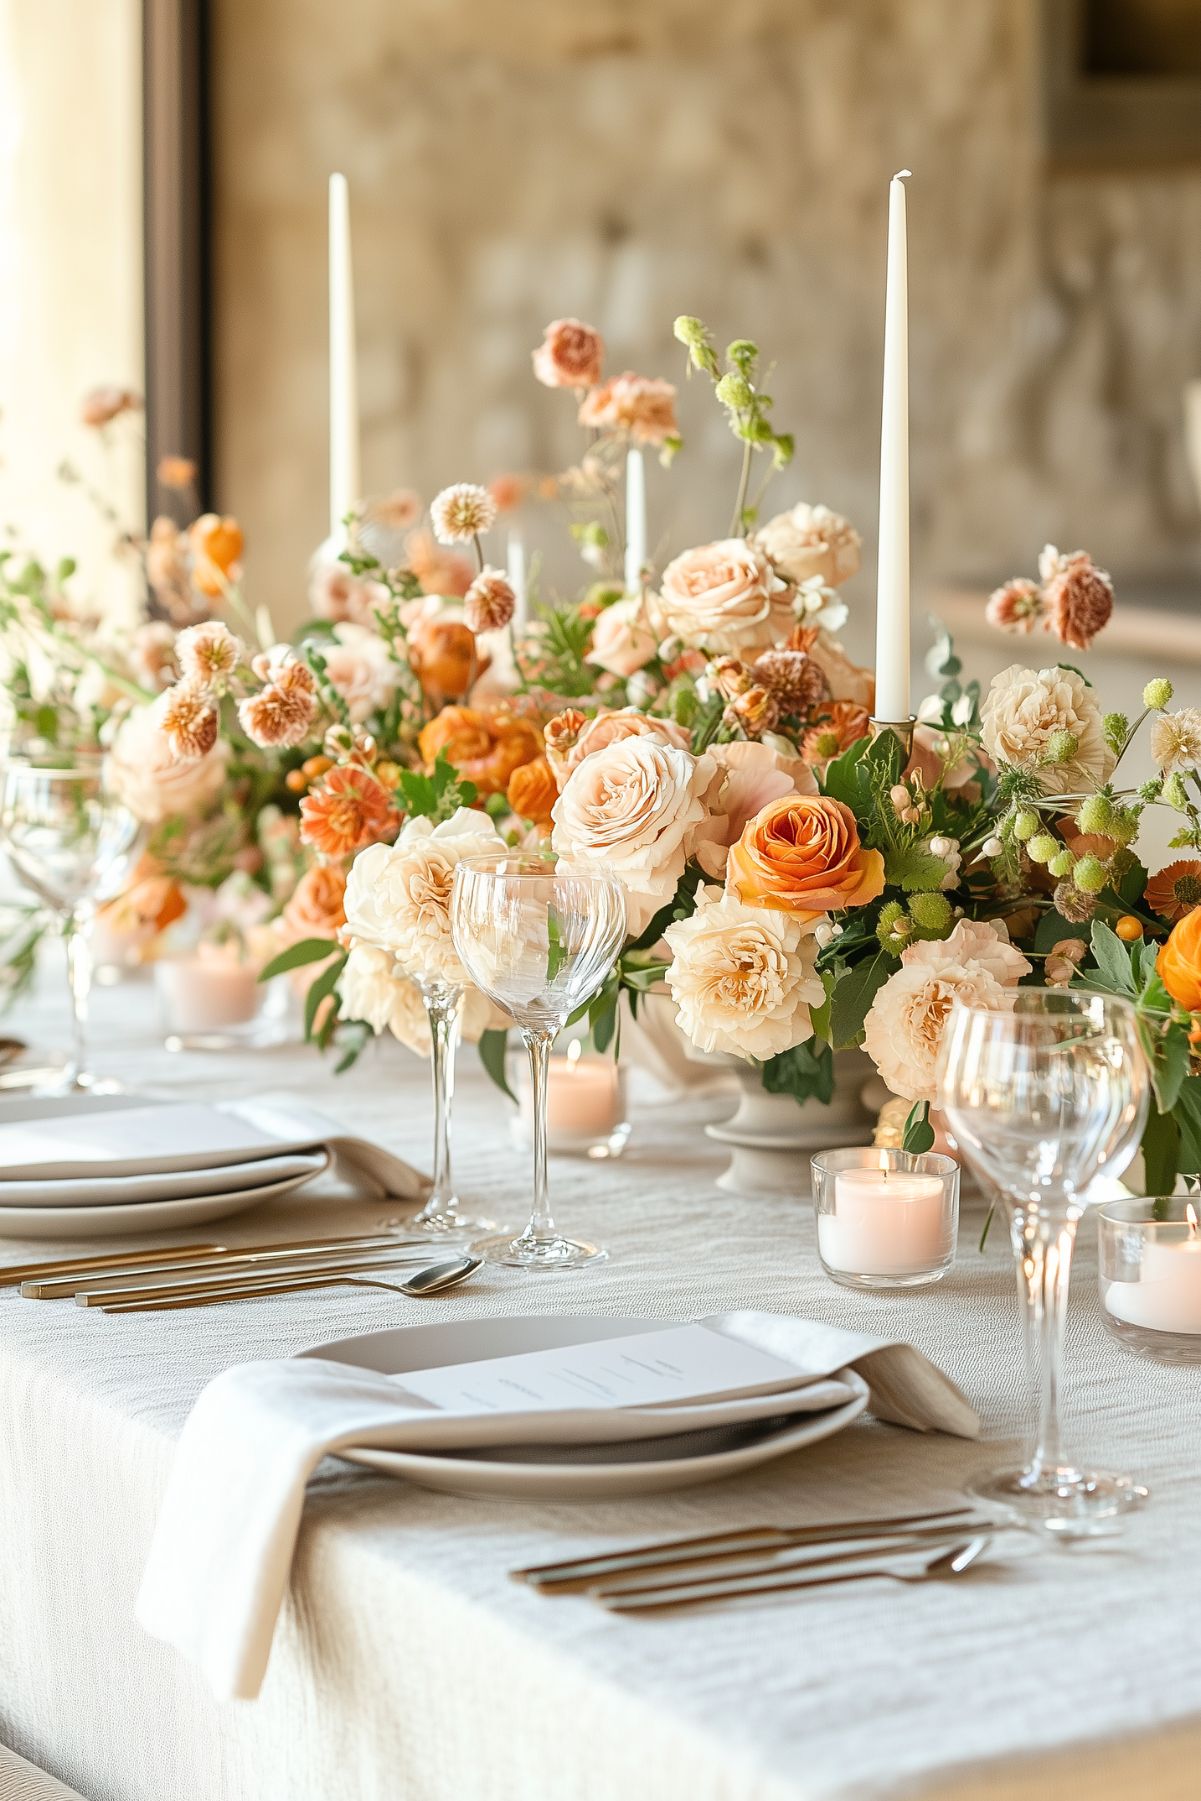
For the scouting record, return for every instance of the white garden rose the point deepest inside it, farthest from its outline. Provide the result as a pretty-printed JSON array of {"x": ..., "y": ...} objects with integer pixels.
[
  {"x": 371, "y": 989},
  {"x": 1023, "y": 711},
  {"x": 155, "y": 784},
  {"x": 359, "y": 666},
  {"x": 398, "y": 895},
  {"x": 634, "y": 810},
  {"x": 743, "y": 978},
  {"x": 811, "y": 541},
  {"x": 726, "y": 597},
  {"x": 903, "y": 1030}
]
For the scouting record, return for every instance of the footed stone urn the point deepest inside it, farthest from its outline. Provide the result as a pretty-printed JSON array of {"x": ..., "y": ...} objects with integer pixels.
[{"x": 772, "y": 1137}]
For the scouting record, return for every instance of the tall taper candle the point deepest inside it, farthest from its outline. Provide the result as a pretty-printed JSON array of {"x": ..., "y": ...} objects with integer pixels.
[
  {"x": 344, "y": 477},
  {"x": 892, "y": 582},
  {"x": 515, "y": 561},
  {"x": 635, "y": 520}
]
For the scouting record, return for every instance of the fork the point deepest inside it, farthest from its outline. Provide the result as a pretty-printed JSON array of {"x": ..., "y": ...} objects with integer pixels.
[
  {"x": 433, "y": 1279},
  {"x": 941, "y": 1565}
]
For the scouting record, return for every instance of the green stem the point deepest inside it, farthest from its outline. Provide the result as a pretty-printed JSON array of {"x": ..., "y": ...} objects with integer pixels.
[
  {"x": 1129, "y": 738},
  {"x": 737, "y": 527}
]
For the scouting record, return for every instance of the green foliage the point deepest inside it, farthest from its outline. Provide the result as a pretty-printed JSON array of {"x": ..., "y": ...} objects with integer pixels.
[
  {"x": 438, "y": 795},
  {"x": 309, "y": 950},
  {"x": 493, "y": 1046},
  {"x": 321, "y": 990},
  {"x": 910, "y": 867},
  {"x": 919, "y": 1133},
  {"x": 853, "y": 993},
  {"x": 806, "y": 1072}
]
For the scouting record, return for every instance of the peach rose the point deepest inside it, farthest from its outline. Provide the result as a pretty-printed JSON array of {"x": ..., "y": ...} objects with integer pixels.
[
  {"x": 622, "y": 640},
  {"x": 844, "y": 679},
  {"x": 317, "y": 906},
  {"x": 725, "y": 596},
  {"x": 335, "y": 593},
  {"x": 1179, "y": 965},
  {"x": 152, "y": 782},
  {"x": 439, "y": 571},
  {"x": 358, "y": 666},
  {"x": 802, "y": 855},
  {"x": 634, "y": 809},
  {"x": 608, "y": 728},
  {"x": 445, "y": 656},
  {"x": 748, "y": 778},
  {"x": 570, "y": 355},
  {"x": 811, "y": 541},
  {"x": 639, "y": 405}
]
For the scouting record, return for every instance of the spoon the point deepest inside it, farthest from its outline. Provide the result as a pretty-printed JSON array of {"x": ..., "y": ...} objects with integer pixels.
[{"x": 433, "y": 1279}]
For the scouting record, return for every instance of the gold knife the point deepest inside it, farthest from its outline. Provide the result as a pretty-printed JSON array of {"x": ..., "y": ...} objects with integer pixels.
[
  {"x": 248, "y": 1279},
  {"x": 49, "y": 1288},
  {"x": 15, "y": 1273}
]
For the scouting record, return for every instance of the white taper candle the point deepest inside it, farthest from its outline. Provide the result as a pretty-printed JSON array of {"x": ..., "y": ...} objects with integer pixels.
[
  {"x": 635, "y": 520},
  {"x": 344, "y": 476},
  {"x": 892, "y": 582},
  {"x": 515, "y": 569}
]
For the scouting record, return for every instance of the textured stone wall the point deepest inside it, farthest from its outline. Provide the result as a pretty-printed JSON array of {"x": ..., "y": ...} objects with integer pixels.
[{"x": 626, "y": 160}]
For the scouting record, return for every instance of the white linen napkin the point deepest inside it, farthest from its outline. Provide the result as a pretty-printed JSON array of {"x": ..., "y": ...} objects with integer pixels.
[{"x": 222, "y": 1549}]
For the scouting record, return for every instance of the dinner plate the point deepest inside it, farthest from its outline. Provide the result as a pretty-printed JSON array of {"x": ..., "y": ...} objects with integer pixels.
[
  {"x": 147, "y": 1216},
  {"x": 108, "y": 1191},
  {"x": 568, "y": 1472}
]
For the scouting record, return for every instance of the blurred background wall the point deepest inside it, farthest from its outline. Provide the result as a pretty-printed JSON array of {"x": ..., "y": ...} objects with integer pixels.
[{"x": 628, "y": 160}]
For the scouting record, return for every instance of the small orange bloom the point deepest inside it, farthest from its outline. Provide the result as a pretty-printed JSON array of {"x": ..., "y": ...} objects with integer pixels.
[
  {"x": 842, "y": 724},
  {"x": 445, "y": 657},
  {"x": 533, "y": 791},
  {"x": 176, "y": 472},
  {"x": 349, "y": 811},
  {"x": 1129, "y": 929},
  {"x": 1175, "y": 890},
  {"x": 801, "y": 855},
  {"x": 217, "y": 546},
  {"x": 485, "y": 747},
  {"x": 1179, "y": 965},
  {"x": 150, "y": 903}
]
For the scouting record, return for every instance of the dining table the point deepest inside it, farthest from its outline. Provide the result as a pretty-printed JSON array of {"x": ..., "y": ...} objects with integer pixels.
[{"x": 408, "y": 1664}]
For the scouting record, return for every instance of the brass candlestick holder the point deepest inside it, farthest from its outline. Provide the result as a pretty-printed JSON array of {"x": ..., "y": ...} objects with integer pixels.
[{"x": 901, "y": 728}]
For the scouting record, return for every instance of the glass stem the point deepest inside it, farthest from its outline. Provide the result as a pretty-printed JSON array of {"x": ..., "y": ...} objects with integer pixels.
[
  {"x": 1042, "y": 1249},
  {"x": 444, "y": 1009},
  {"x": 79, "y": 976},
  {"x": 541, "y": 1227}
]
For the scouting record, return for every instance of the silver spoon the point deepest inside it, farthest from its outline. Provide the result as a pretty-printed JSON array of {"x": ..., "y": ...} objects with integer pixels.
[{"x": 433, "y": 1279}]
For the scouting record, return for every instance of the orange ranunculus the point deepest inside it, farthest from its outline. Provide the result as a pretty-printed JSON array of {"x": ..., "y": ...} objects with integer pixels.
[
  {"x": 1176, "y": 889},
  {"x": 346, "y": 811},
  {"x": 533, "y": 791},
  {"x": 1179, "y": 965},
  {"x": 485, "y": 746},
  {"x": 217, "y": 546},
  {"x": 801, "y": 855}
]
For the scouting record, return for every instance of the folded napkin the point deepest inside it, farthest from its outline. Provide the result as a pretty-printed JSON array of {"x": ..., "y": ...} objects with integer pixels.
[{"x": 219, "y": 1561}]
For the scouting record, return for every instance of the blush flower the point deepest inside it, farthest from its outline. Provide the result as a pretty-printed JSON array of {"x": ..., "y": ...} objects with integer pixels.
[
  {"x": 187, "y": 719},
  {"x": 743, "y": 979},
  {"x": 1017, "y": 606},
  {"x": 724, "y": 597},
  {"x": 1078, "y": 596},
  {"x": 748, "y": 776},
  {"x": 152, "y": 781},
  {"x": 797, "y": 682},
  {"x": 440, "y": 572},
  {"x": 349, "y": 810},
  {"x": 570, "y": 355},
  {"x": 1024, "y": 711},
  {"x": 1176, "y": 740},
  {"x": 208, "y": 654},
  {"x": 904, "y": 1026},
  {"x": 461, "y": 513},
  {"x": 811, "y": 541},
  {"x": 336, "y": 594},
  {"x": 641, "y": 406},
  {"x": 398, "y": 895},
  {"x": 359, "y": 667},
  {"x": 622, "y": 640},
  {"x": 490, "y": 602},
  {"x": 277, "y": 717},
  {"x": 609, "y": 728},
  {"x": 316, "y": 907}
]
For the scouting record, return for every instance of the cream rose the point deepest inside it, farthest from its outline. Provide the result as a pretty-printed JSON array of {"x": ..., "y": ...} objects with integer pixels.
[
  {"x": 1023, "y": 711},
  {"x": 614, "y": 728},
  {"x": 903, "y": 1029},
  {"x": 725, "y": 596},
  {"x": 358, "y": 665},
  {"x": 634, "y": 810},
  {"x": 743, "y": 979},
  {"x": 811, "y": 541},
  {"x": 372, "y": 990},
  {"x": 398, "y": 895},
  {"x": 622, "y": 640},
  {"x": 148, "y": 778}
]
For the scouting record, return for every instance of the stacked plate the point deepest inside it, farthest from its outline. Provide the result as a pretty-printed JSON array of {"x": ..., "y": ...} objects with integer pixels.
[{"x": 88, "y": 1166}]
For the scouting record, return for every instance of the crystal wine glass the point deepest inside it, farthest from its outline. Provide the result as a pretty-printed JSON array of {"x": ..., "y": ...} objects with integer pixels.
[
  {"x": 68, "y": 840},
  {"x": 1046, "y": 1092},
  {"x": 539, "y": 940},
  {"x": 443, "y": 1212}
]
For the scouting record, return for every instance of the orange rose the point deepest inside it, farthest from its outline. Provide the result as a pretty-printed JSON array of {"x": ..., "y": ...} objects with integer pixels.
[
  {"x": 445, "y": 657},
  {"x": 533, "y": 791},
  {"x": 317, "y": 907},
  {"x": 485, "y": 747},
  {"x": 801, "y": 855},
  {"x": 1179, "y": 965}
]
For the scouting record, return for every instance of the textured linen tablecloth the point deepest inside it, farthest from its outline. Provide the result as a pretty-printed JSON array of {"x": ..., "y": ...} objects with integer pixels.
[{"x": 408, "y": 1665}]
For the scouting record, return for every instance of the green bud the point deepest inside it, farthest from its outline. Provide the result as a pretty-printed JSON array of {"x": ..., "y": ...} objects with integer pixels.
[
  {"x": 1025, "y": 824},
  {"x": 742, "y": 353},
  {"x": 783, "y": 449},
  {"x": 1096, "y": 814},
  {"x": 1175, "y": 793},
  {"x": 734, "y": 390},
  {"x": 1117, "y": 730},
  {"x": 1090, "y": 875},
  {"x": 689, "y": 331},
  {"x": 892, "y": 913},
  {"x": 1121, "y": 863},
  {"x": 1042, "y": 848},
  {"x": 1157, "y": 694},
  {"x": 1061, "y": 746},
  {"x": 1150, "y": 792},
  {"x": 931, "y": 913},
  {"x": 1123, "y": 827},
  {"x": 1062, "y": 865}
]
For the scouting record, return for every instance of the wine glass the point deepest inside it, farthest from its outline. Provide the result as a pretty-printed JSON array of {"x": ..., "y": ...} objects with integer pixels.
[
  {"x": 443, "y": 1212},
  {"x": 1046, "y": 1091},
  {"x": 539, "y": 939},
  {"x": 68, "y": 839}
]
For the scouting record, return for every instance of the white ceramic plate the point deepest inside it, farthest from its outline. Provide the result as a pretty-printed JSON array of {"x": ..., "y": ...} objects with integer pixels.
[
  {"x": 565, "y": 1472},
  {"x": 124, "y": 1191},
  {"x": 146, "y": 1216}
]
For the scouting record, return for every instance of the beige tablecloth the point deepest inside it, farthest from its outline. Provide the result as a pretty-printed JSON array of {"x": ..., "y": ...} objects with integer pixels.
[{"x": 408, "y": 1665}]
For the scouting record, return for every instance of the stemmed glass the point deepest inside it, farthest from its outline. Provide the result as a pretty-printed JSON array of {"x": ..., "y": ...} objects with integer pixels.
[
  {"x": 443, "y": 1213},
  {"x": 1045, "y": 1092},
  {"x": 68, "y": 839},
  {"x": 539, "y": 940}
]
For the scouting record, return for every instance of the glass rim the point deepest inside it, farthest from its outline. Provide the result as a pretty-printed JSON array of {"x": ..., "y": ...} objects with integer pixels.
[
  {"x": 937, "y": 1163},
  {"x": 89, "y": 765},
  {"x": 1130, "y": 1210},
  {"x": 1003, "y": 1008},
  {"x": 518, "y": 865}
]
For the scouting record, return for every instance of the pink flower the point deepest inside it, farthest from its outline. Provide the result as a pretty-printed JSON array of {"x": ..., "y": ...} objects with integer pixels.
[
  {"x": 747, "y": 778},
  {"x": 570, "y": 355},
  {"x": 1017, "y": 606},
  {"x": 724, "y": 596},
  {"x": 608, "y": 729},
  {"x": 489, "y": 602},
  {"x": 639, "y": 405},
  {"x": 335, "y": 593},
  {"x": 1079, "y": 599},
  {"x": 622, "y": 640}
]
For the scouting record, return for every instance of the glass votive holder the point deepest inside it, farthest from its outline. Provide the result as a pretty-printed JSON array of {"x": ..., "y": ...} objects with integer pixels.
[
  {"x": 1149, "y": 1271},
  {"x": 885, "y": 1218},
  {"x": 217, "y": 1003},
  {"x": 585, "y": 1105}
]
